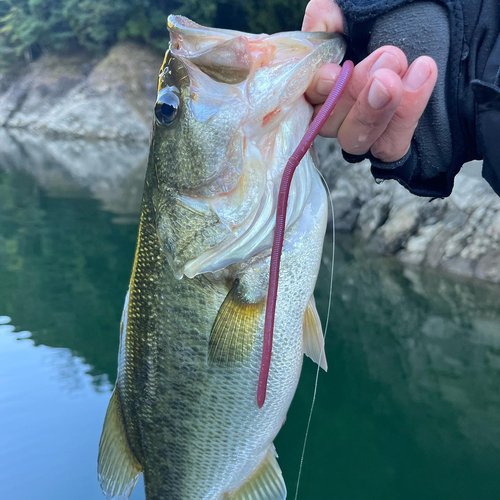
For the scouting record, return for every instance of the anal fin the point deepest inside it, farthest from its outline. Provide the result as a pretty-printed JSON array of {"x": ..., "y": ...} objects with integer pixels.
[
  {"x": 118, "y": 468},
  {"x": 266, "y": 483},
  {"x": 314, "y": 343}
]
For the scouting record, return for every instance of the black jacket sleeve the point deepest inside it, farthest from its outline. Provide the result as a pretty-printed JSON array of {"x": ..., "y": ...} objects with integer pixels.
[{"x": 462, "y": 119}]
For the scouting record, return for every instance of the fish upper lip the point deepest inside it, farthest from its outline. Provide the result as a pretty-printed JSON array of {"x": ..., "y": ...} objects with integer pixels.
[{"x": 181, "y": 25}]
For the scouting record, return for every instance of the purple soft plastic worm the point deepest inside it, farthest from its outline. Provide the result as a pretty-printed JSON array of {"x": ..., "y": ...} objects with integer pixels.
[{"x": 279, "y": 231}]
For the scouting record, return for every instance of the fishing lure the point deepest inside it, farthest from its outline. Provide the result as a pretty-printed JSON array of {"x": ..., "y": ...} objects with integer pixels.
[{"x": 279, "y": 231}]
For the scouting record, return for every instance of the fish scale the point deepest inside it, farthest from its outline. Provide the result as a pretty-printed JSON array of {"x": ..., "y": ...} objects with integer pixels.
[{"x": 162, "y": 408}]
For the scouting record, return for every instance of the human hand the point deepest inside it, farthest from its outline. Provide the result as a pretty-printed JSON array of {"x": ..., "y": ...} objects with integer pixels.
[{"x": 384, "y": 99}]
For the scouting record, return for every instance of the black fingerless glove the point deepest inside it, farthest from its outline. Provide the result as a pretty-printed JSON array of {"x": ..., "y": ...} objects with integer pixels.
[{"x": 462, "y": 119}]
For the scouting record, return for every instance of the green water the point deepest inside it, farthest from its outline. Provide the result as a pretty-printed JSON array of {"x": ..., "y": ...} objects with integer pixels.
[{"x": 410, "y": 407}]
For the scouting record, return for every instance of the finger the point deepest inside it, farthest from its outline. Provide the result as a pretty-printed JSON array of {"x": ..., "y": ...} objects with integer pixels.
[
  {"x": 322, "y": 83},
  {"x": 418, "y": 84},
  {"x": 323, "y": 15},
  {"x": 387, "y": 57},
  {"x": 373, "y": 111}
]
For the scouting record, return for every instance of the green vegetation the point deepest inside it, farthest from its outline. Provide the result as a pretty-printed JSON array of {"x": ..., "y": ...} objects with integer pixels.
[{"x": 31, "y": 27}]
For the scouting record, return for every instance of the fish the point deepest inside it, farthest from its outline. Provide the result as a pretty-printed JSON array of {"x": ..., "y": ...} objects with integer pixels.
[{"x": 229, "y": 112}]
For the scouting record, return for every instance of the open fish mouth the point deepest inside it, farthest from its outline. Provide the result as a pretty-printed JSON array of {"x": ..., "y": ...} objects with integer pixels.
[
  {"x": 247, "y": 89},
  {"x": 227, "y": 56}
]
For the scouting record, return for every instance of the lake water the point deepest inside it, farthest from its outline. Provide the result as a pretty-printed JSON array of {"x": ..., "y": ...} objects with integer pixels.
[{"x": 410, "y": 407}]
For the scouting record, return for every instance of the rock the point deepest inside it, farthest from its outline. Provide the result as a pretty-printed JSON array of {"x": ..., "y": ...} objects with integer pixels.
[
  {"x": 436, "y": 247},
  {"x": 488, "y": 267},
  {"x": 438, "y": 328},
  {"x": 39, "y": 86},
  {"x": 76, "y": 96},
  {"x": 493, "y": 229},
  {"x": 401, "y": 224},
  {"x": 460, "y": 234},
  {"x": 373, "y": 214},
  {"x": 102, "y": 116},
  {"x": 11, "y": 100},
  {"x": 459, "y": 265},
  {"x": 346, "y": 206},
  {"x": 417, "y": 246}
]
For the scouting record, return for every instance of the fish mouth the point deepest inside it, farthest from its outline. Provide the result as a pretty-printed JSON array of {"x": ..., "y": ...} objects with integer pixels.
[
  {"x": 234, "y": 54},
  {"x": 234, "y": 57},
  {"x": 224, "y": 55},
  {"x": 229, "y": 56},
  {"x": 183, "y": 26},
  {"x": 257, "y": 81}
]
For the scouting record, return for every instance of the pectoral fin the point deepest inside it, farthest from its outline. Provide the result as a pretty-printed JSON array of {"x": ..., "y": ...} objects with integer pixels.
[
  {"x": 118, "y": 469},
  {"x": 234, "y": 330},
  {"x": 266, "y": 483},
  {"x": 314, "y": 343}
]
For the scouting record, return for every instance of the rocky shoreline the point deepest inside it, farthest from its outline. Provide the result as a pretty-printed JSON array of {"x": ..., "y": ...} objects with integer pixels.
[
  {"x": 460, "y": 234},
  {"x": 82, "y": 124},
  {"x": 82, "y": 96}
]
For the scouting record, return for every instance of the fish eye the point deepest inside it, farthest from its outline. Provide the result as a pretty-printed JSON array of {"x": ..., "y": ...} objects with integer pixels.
[{"x": 166, "y": 107}]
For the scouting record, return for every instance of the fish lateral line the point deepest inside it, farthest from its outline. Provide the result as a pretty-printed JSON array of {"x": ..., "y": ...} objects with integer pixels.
[{"x": 279, "y": 229}]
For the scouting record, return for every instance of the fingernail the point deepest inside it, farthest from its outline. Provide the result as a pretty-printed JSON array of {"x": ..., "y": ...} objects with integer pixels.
[
  {"x": 388, "y": 61},
  {"x": 324, "y": 86},
  {"x": 418, "y": 74},
  {"x": 378, "y": 95}
]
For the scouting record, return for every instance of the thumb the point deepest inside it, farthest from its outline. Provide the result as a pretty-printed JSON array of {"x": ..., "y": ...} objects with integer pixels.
[{"x": 323, "y": 15}]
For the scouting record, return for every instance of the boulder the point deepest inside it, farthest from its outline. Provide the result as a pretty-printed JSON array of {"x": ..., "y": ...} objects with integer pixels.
[{"x": 79, "y": 96}]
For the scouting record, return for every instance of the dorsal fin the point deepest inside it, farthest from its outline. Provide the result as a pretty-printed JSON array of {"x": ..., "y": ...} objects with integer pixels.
[
  {"x": 314, "y": 343},
  {"x": 118, "y": 468},
  {"x": 266, "y": 483}
]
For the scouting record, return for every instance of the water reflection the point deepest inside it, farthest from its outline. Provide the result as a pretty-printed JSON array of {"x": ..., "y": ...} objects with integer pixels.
[
  {"x": 410, "y": 407},
  {"x": 65, "y": 268},
  {"x": 434, "y": 339},
  {"x": 50, "y": 415},
  {"x": 112, "y": 172}
]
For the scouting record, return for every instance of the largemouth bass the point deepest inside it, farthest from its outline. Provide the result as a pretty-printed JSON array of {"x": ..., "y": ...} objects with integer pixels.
[{"x": 229, "y": 112}]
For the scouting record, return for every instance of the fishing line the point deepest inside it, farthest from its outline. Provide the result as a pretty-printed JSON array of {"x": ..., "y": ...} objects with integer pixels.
[{"x": 325, "y": 330}]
